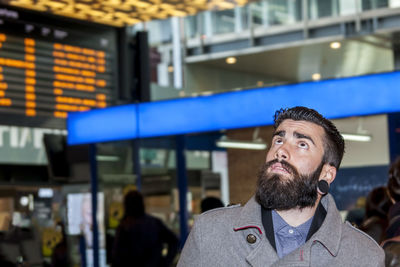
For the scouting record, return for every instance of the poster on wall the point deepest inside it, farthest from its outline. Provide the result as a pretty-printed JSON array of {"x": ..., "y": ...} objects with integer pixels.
[{"x": 79, "y": 217}]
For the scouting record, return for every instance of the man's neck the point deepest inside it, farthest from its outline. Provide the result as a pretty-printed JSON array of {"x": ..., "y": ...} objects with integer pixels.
[{"x": 296, "y": 217}]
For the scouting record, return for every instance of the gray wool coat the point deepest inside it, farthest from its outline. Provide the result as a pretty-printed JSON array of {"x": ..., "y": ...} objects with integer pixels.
[{"x": 222, "y": 237}]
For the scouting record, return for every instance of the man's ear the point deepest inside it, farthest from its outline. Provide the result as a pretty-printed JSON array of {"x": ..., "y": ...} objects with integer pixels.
[{"x": 328, "y": 173}]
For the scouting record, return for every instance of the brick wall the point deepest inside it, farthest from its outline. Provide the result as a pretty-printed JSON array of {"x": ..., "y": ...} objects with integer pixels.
[{"x": 243, "y": 165}]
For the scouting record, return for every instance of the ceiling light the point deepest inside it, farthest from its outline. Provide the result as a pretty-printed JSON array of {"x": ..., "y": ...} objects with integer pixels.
[
  {"x": 107, "y": 158},
  {"x": 205, "y": 93},
  {"x": 241, "y": 144},
  {"x": 231, "y": 60},
  {"x": 46, "y": 193},
  {"x": 335, "y": 45},
  {"x": 316, "y": 77},
  {"x": 256, "y": 144},
  {"x": 24, "y": 201},
  {"x": 357, "y": 137}
]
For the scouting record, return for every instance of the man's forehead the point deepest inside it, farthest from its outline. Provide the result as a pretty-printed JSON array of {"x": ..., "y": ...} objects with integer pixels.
[{"x": 304, "y": 127}]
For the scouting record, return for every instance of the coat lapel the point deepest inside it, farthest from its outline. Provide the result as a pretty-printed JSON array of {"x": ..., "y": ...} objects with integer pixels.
[
  {"x": 330, "y": 232},
  {"x": 249, "y": 221}
]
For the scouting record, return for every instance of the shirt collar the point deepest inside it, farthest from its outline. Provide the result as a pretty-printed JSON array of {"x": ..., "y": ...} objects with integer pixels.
[
  {"x": 279, "y": 224},
  {"x": 316, "y": 223}
]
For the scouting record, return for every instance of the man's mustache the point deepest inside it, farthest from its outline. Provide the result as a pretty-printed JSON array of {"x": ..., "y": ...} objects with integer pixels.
[{"x": 286, "y": 165}]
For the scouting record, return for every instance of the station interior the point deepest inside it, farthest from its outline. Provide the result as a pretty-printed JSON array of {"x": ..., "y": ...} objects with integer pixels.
[{"x": 58, "y": 57}]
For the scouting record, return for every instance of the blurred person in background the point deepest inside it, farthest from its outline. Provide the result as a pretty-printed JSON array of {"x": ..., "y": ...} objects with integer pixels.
[
  {"x": 210, "y": 203},
  {"x": 377, "y": 208},
  {"x": 356, "y": 215},
  {"x": 140, "y": 238},
  {"x": 4, "y": 262},
  {"x": 60, "y": 258},
  {"x": 392, "y": 244}
]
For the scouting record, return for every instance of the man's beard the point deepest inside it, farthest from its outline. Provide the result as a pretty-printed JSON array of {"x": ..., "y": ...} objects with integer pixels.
[{"x": 280, "y": 193}]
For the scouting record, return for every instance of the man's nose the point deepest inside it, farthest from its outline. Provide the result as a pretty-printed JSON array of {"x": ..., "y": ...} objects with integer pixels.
[{"x": 282, "y": 153}]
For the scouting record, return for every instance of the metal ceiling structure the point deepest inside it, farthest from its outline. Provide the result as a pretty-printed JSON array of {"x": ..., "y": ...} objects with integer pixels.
[{"x": 123, "y": 12}]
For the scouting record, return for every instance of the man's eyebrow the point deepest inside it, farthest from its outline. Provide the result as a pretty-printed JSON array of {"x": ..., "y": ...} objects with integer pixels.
[
  {"x": 303, "y": 136},
  {"x": 279, "y": 133}
]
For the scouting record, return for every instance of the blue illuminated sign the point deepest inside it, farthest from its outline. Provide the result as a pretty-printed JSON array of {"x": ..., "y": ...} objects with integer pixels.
[
  {"x": 101, "y": 125},
  {"x": 364, "y": 95}
]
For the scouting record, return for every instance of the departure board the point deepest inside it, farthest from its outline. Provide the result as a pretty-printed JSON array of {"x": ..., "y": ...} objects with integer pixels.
[{"x": 48, "y": 70}]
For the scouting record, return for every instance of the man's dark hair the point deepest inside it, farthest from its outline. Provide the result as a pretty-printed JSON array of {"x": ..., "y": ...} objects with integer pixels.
[
  {"x": 333, "y": 141},
  {"x": 393, "y": 184},
  {"x": 134, "y": 204}
]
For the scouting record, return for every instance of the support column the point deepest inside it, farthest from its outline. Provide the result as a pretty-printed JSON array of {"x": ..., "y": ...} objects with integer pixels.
[
  {"x": 396, "y": 51},
  {"x": 177, "y": 52},
  {"x": 136, "y": 163},
  {"x": 394, "y": 118},
  {"x": 238, "y": 19},
  {"x": 182, "y": 187},
  {"x": 265, "y": 12},
  {"x": 94, "y": 186}
]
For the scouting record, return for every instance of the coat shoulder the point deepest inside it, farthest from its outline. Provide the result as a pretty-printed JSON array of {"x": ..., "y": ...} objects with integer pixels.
[
  {"x": 218, "y": 217},
  {"x": 360, "y": 247},
  {"x": 368, "y": 243},
  {"x": 224, "y": 212},
  {"x": 223, "y": 209}
]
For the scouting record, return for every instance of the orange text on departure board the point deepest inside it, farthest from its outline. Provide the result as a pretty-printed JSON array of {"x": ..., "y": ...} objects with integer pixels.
[{"x": 75, "y": 68}]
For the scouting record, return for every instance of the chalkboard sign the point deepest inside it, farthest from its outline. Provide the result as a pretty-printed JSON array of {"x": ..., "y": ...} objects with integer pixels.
[{"x": 352, "y": 183}]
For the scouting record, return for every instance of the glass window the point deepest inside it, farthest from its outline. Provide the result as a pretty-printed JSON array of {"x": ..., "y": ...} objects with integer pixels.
[
  {"x": 160, "y": 31},
  {"x": 283, "y": 12},
  {"x": 257, "y": 11},
  {"x": 326, "y": 8},
  {"x": 192, "y": 26},
  {"x": 374, "y": 4},
  {"x": 223, "y": 21}
]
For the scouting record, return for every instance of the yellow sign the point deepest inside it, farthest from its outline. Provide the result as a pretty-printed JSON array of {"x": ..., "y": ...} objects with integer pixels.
[
  {"x": 50, "y": 238},
  {"x": 116, "y": 211}
]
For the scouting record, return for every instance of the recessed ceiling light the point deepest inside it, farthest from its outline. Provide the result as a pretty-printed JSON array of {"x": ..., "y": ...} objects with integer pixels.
[
  {"x": 231, "y": 60},
  {"x": 316, "y": 76},
  {"x": 357, "y": 137},
  {"x": 241, "y": 144},
  {"x": 335, "y": 45}
]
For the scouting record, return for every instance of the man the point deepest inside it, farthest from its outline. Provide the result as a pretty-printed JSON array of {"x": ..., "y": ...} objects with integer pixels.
[
  {"x": 142, "y": 239},
  {"x": 291, "y": 221}
]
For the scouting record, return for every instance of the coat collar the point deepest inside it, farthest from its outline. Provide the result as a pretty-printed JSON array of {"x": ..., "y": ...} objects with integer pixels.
[
  {"x": 328, "y": 234},
  {"x": 250, "y": 217}
]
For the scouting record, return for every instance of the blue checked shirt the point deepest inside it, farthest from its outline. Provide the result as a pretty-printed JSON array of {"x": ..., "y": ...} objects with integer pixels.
[{"x": 288, "y": 238}]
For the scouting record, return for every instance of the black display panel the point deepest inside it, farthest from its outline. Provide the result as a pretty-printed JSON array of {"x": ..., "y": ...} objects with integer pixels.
[{"x": 51, "y": 65}]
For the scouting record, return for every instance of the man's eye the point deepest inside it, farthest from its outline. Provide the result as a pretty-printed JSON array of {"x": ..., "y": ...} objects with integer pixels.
[
  {"x": 278, "y": 141},
  {"x": 303, "y": 145}
]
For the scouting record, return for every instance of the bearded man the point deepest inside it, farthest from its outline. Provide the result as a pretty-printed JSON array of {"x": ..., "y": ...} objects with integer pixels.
[{"x": 291, "y": 220}]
